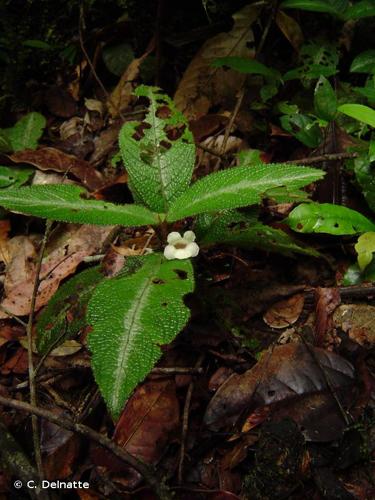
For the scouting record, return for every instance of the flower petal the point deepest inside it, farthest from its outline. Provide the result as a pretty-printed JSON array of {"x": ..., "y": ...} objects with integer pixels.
[
  {"x": 182, "y": 253},
  {"x": 189, "y": 236},
  {"x": 173, "y": 237},
  {"x": 193, "y": 249},
  {"x": 170, "y": 252}
]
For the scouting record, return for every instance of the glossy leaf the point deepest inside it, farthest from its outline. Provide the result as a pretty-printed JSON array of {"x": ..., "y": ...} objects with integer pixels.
[
  {"x": 327, "y": 218},
  {"x": 365, "y": 176},
  {"x": 159, "y": 152},
  {"x": 64, "y": 317},
  {"x": 131, "y": 318},
  {"x": 365, "y": 247},
  {"x": 237, "y": 229},
  {"x": 325, "y": 101},
  {"x": 364, "y": 62},
  {"x": 359, "y": 112},
  {"x": 247, "y": 66},
  {"x": 68, "y": 204},
  {"x": 242, "y": 186},
  {"x": 26, "y": 133}
]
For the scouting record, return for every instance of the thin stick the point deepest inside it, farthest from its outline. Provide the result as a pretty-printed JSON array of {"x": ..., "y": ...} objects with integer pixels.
[
  {"x": 228, "y": 128},
  {"x": 323, "y": 158},
  {"x": 89, "y": 62},
  {"x": 147, "y": 471},
  {"x": 29, "y": 332},
  {"x": 185, "y": 421},
  {"x": 13, "y": 316}
]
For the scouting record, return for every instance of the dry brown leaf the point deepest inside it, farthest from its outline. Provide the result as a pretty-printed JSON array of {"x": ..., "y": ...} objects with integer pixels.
[
  {"x": 202, "y": 85},
  {"x": 121, "y": 96},
  {"x": 53, "y": 159},
  {"x": 149, "y": 419},
  {"x": 4, "y": 231},
  {"x": 358, "y": 321},
  {"x": 290, "y": 29},
  {"x": 285, "y": 312},
  {"x": 326, "y": 300},
  {"x": 283, "y": 374},
  {"x": 73, "y": 246}
]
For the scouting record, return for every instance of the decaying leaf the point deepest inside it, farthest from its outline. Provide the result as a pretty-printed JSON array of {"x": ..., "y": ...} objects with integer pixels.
[
  {"x": 358, "y": 321},
  {"x": 284, "y": 313},
  {"x": 149, "y": 420},
  {"x": 327, "y": 299},
  {"x": 53, "y": 159},
  {"x": 202, "y": 85},
  {"x": 80, "y": 241},
  {"x": 282, "y": 374},
  {"x": 122, "y": 94}
]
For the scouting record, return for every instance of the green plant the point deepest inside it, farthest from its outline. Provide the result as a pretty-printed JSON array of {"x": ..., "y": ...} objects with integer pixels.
[{"x": 134, "y": 313}]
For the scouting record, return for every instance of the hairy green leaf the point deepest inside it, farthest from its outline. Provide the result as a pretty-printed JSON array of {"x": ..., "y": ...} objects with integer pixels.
[
  {"x": 325, "y": 101},
  {"x": 64, "y": 316},
  {"x": 131, "y": 318},
  {"x": 68, "y": 204},
  {"x": 359, "y": 112},
  {"x": 159, "y": 152},
  {"x": 242, "y": 186},
  {"x": 248, "y": 66},
  {"x": 237, "y": 229},
  {"x": 26, "y": 133},
  {"x": 327, "y": 218}
]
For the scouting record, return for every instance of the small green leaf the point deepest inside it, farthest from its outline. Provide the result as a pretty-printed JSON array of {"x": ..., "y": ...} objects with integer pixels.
[
  {"x": 325, "y": 101},
  {"x": 14, "y": 176},
  {"x": 26, "y": 133},
  {"x": 132, "y": 317},
  {"x": 364, "y": 8},
  {"x": 359, "y": 112},
  {"x": 365, "y": 176},
  {"x": 364, "y": 62},
  {"x": 365, "y": 247},
  {"x": 67, "y": 204},
  {"x": 240, "y": 230},
  {"x": 327, "y": 218},
  {"x": 159, "y": 152},
  {"x": 248, "y": 66},
  {"x": 64, "y": 315},
  {"x": 242, "y": 186},
  {"x": 303, "y": 128},
  {"x": 354, "y": 276}
]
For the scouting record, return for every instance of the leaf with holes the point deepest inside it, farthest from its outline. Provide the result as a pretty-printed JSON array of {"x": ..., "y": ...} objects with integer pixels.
[
  {"x": 68, "y": 204},
  {"x": 26, "y": 133},
  {"x": 327, "y": 218},
  {"x": 242, "y": 186},
  {"x": 63, "y": 317},
  {"x": 14, "y": 176},
  {"x": 159, "y": 152},
  {"x": 131, "y": 318},
  {"x": 241, "y": 230},
  {"x": 317, "y": 60}
]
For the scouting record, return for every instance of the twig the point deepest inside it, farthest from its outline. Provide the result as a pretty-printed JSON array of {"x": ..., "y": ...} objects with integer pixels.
[
  {"x": 228, "y": 128},
  {"x": 185, "y": 421},
  {"x": 13, "y": 316},
  {"x": 29, "y": 332},
  {"x": 178, "y": 370},
  {"x": 89, "y": 62},
  {"x": 323, "y": 158},
  {"x": 147, "y": 471}
]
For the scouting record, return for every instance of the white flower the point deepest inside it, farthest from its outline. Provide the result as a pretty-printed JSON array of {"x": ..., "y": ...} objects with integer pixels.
[{"x": 181, "y": 247}]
